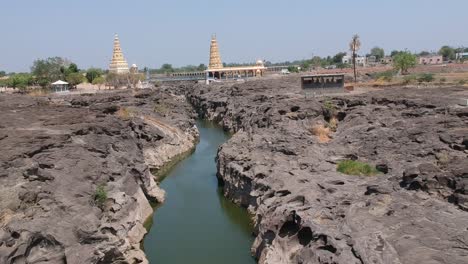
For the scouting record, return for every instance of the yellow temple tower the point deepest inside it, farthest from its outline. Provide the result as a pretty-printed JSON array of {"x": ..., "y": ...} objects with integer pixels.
[
  {"x": 118, "y": 63},
  {"x": 215, "y": 58}
]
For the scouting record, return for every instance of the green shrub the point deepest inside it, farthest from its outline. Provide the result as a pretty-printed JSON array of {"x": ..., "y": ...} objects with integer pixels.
[
  {"x": 293, "y": 69},
  {"x": 386, "y": 75},
  {"x": 426, "y": 77},
  {"x": 443, "y": 79},
  {"x": 352, "y": 167},
  {"x": 100, "y": 195},
  {"x": 329, "y": 105},
  {"x": 462, "y": 82},
  {"x": 409, "y": 79}
]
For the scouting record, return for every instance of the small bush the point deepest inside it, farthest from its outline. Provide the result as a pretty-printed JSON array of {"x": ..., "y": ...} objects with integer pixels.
[
  {"x": 352, "y": 167},
  {"x": 443, "y": 80},
  {"x": 426, "y": 77},
  {"x": 329, "y": 105},
  {"x": 100, "y": 195},
  {"x": 462, "y": 82},
  {"x": 409, "y": 79}
]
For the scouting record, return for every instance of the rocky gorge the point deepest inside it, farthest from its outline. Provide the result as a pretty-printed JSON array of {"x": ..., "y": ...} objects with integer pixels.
[
  {"x": 77, "y": 171},
  {"x": 281, "y": 164},
  {"x": 75, "y": 180}
]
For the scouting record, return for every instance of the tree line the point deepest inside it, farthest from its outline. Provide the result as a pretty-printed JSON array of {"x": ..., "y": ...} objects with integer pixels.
[{"x": 46, "y": 71}]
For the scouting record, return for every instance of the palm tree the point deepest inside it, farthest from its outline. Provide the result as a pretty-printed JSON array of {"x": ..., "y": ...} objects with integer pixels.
[{"x": 354, "y": 46}]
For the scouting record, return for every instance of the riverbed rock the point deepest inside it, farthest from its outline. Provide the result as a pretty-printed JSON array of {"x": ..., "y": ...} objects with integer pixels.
[
  {"x": 57, "y": 151},
  {"x": 305, "y": 211}
]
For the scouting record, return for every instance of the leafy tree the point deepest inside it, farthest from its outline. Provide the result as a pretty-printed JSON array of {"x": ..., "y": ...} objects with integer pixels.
[
  {"x": 134, "y": 78},
  {"x": 167, "y": 68},
  {"x": 99, "y": 81},
  {"x": 20, "y": 80},
  {"x": 354, "y": 47},
  {"x": 92, "y": 74},
  {"x": 379, "y": 53},
  {"x": 305, "y": 65},
  {"x": 293, "y": 69},
  {"x": 424, "y": 53},
  {"x": 75, "y": 78},
  {"x": 73, "y": 68},
  {"x": 112, "y": 79},
  {"x": 447, "y": 52},
  {"x": 404, "y": 61},
  {"x": 395, "y": 52},
  {"x": 201, "y": 67},
  {"x": 338, "y": 58},
  {"x": 3, "y": 82},
  {"x": 118, "y": 80},
  {"x": 2, "y": 74},
  {"x": 49, "y": 70},
  {"x": 316, "y": 61}
]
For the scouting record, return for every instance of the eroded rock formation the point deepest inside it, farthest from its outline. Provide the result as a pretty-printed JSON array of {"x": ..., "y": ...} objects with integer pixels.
[
  {"x": 413, "y": 211},
  {"x": 57, "y": 151}
]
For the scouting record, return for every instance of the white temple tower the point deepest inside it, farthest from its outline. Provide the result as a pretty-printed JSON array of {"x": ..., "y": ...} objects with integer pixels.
[{"x": 118, "y": 63}]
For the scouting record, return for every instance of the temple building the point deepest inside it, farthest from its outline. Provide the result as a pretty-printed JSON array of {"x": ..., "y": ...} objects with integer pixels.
[
  {"x": 215, "y": 58},
  {"x": 134, "y": 69},
  {"x": 118, "y": 63},
  {"x": 217, "y": 71}
]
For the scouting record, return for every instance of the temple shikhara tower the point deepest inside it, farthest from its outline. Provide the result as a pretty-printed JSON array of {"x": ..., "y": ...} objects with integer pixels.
[
  {"x": 215, "y": 58},
  {"x": 118, "y": 63},
  {"x": 217, "y": 71}
]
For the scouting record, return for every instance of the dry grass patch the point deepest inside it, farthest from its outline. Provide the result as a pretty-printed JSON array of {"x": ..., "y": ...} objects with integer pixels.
[
  {"x": 161, "y": 108},
  {"x": 333, "y": 124},
  {"x": 38, "y": 92},
  {"x": 322, "y": 132},
  {"x": 124, "y": 113}
]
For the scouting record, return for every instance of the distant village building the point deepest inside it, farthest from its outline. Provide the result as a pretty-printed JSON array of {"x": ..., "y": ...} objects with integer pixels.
[
  {"x": 461, "y": 55},
  {"x": 431, "y": 60},
  {"x": 386, "y": 60},
  {"x": 323, "y": 83},
  {"x": 218, "y": 71},
  {"x": 372, "y": 59},
  {"x": 118, "y": 63},
  {"x": 348, "y": 59}
]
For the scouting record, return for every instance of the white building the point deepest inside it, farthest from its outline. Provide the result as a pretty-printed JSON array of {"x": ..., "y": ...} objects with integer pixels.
[
  {"x": 348, "y": 59},
  {"x": 461, "y": 55}
]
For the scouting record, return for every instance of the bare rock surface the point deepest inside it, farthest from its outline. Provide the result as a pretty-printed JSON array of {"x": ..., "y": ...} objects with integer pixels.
[
  {"x": 414, "y": 211},
  {"x": 55, "y": 153}
]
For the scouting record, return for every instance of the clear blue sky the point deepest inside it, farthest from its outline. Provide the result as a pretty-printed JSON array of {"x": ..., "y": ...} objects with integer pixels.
[{"x": 154, "y": 32}]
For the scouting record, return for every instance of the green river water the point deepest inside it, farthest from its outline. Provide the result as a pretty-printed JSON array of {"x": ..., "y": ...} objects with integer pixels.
[{"x": 197, "y": 224}]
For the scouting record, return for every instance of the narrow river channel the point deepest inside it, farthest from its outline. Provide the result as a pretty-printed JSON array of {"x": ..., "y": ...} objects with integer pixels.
[{"x": 196, "y": 224}]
